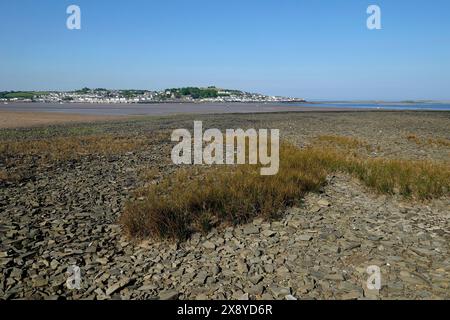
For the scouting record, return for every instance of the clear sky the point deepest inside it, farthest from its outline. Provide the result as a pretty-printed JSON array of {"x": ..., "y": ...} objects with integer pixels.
[{"x": 316, "y": 49}]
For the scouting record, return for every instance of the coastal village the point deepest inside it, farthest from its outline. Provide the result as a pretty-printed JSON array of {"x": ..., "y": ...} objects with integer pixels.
[{"x": 99, "y": 95}]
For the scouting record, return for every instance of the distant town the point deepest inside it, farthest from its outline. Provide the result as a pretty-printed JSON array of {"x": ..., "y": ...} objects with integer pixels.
[{"x": 100, "y": 95}]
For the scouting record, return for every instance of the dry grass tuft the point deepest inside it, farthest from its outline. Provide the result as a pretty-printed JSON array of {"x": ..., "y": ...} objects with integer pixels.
[
  {"x": 414, "y": 179},
  {"x": 439, "y": 142},
  {"x": 200, "y": 198},
  {"x": 149, "y": 174},
  {"x": 433, "y": 142},
  {"x": 4, "y": 175},
  {"x": 414, "y": 138}
]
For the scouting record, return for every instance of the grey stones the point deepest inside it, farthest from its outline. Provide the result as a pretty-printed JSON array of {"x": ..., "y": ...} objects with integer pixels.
[
  {"x": 373, "y": 237},
  {"x": 250, "y": 229},
  {"x": 16, "y": 273},
  {"x": 323, "y": 203},
  {"x": 244, "y": 297},
  {"x": 283, "y": 271},
  {"x": 242, "y": 267},
  {"x": 304, "y": 237},
  {"x": 352, "y": 295},
  {"x": 268, "y": 268},
  {"x": 39, "y": 282},
  {"x": 334, "y": 277},
  {"x": 268, "y": 233},
  {"x": 117, "y": 286},
  {"x": 168, "y": 295},
  {"x": 102, "y": 261},
  {"x": 350, "y": 246},
  {"x": 215, "y": 270},
  {"x": 409, "y": 278},
  {"x": 373, "y": 294},
  {"x": 209, "y": 245},
  {"x": 423, "y": 251},
  {"x": 148, "y": 287},
  {"x": 279, "y": 292},
  {"x": 201, "y": 278},
  {"x": 256, "y": 290},
  {"x": 54, "y": 264},
  {"x": 256, "y": 278}
]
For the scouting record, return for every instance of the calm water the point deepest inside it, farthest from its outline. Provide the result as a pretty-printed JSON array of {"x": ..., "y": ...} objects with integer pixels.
[
  {"x": 191, "y": 108},
  {"x": 387, "y": 106}
]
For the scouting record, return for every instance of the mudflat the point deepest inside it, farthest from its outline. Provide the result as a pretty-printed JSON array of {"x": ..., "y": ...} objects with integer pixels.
[
  {"x": 154, "y": 109},
  {"x": 63, "y": 189},
  {"x": 22, "y": 115}
]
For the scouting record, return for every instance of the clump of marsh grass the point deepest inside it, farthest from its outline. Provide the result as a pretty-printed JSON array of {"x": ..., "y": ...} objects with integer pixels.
[
  {"x": 439, "y": 142},
  {"x": 4, "y": 176},
  {"x": 8, "y": 176},
  {"x": 197, "y": 199},
  {"x": 433, "y": 142},
  {"x": 410, "y": 178}
]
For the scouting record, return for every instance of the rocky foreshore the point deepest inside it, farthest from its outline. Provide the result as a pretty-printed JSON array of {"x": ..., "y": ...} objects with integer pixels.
[{"x": 64, "y": 214}]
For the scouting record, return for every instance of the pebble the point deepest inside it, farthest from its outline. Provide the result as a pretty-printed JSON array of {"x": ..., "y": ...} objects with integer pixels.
[
  {"x": 168, "y": 295},
  {"x": 209, "y": 245}
]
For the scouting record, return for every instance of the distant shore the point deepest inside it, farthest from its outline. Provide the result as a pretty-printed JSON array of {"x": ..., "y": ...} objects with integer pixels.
[{"x": 17, "y": 115}]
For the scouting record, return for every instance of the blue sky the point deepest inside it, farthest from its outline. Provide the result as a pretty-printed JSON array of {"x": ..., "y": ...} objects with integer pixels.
[{"x": 316, "y": 49}]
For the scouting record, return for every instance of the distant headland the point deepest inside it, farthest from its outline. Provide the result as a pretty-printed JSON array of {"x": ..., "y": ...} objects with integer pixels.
[{"x": 101, "y": 95}]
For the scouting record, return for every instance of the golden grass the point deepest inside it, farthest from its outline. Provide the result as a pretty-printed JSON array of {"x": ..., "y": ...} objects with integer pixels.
[
  {"x": 439, "y": 142},
  {"x": 414, "y": 138},
  {"x": 65, "y": 148},
  {"x": 200, "y": 198},
  {"x": 4, "y": 175},
  {"x": 149, "y": 174},
  {"x": 342, "y": 141},
  {"x": 434, "y": 142},
  {"x": 414, "y": 179}
]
